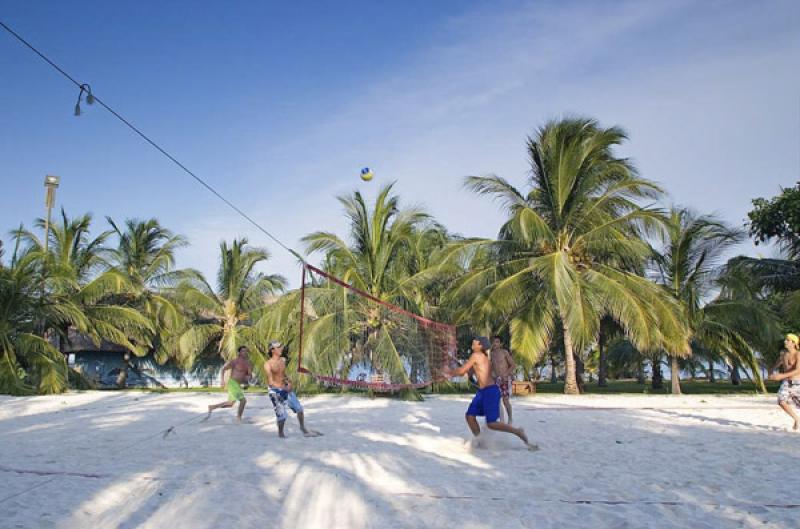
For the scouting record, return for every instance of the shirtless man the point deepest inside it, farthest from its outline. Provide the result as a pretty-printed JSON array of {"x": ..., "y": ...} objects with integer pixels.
[
  {"x": 487, "y": 400},
  {"x": 503, "y": 369},
  {"x": 789, "y": 392},
  {"x": 241, "y": 370},
  {"x": 280, "y": 390}
]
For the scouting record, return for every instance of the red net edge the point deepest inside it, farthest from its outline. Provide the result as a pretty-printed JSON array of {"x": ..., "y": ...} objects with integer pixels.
[
  {"x": 395, "y": 308},
  {"x": 364, "y": 384}
]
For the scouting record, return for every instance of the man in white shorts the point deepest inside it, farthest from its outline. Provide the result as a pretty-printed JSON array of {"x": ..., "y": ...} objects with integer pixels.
[{"x": 789, "y": 392}]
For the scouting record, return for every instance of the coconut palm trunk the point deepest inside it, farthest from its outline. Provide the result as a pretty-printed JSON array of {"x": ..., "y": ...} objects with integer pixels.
[
  {"x": 657, "y": 378},
  {"x": 640, "y": 372},
  {"x": 122, "y": 378},
  {"x": 736, "y": 377},
  {"x": 602, "y": 373},
  {"x": 675, "y": 376},
  {"x": 570, "y": 380}
]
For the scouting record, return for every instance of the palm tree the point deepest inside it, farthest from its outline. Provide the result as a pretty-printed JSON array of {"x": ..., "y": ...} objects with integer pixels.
[
  {"x": 75, "y": 271},
  {"x": 561, "y": 262},
  {"x": 29, "y": 362},
  {"x": 775, "y": 282},
  {"x": 145, "y": 257},
  {"x": 687, "y": 267},
  {"x": 388, "y": 256},
  {"x": 224, "y": 317}
]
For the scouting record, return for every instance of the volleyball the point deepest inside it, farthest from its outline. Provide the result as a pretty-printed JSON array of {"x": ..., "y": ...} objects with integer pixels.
[{"x": 366, "y": 174}]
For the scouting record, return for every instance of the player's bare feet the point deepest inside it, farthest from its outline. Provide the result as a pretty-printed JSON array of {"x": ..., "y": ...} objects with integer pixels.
[{"x": 521, "y": 434}]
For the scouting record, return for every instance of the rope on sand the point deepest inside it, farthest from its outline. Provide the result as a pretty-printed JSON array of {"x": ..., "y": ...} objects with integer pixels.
[
  {"x": 166, "y": 431},
  {"x": 666, "y": 503},
  {"x": 608, "y": 502},
  {"x": 41, "y": 484}
]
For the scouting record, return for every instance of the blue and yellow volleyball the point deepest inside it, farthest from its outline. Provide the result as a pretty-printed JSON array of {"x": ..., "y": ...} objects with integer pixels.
[{"x": 366, "y": 174}]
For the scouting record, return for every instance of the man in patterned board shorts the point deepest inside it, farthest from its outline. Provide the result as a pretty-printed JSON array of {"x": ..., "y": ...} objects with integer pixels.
[
  {"x": 280, "y": 391},
  {"x": 241, "y": 370},
  {"x": 503, "y": 369},
  {"x": 789, "y": 392}
]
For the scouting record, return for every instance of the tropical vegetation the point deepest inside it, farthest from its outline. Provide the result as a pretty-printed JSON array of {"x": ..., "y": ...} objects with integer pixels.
[{"x": 589, "y": 276}]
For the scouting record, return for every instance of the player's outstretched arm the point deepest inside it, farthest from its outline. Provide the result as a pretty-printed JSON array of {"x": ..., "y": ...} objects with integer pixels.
[
  {"x": 226, "y": 367},
  {"x": 463, "y": 369}
]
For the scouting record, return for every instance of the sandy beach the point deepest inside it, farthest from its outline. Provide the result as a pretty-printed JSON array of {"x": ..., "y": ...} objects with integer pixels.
[{"x": 110, "y": 460}]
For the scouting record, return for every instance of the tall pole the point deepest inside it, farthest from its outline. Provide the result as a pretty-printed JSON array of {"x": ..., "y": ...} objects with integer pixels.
[{"x": 51, "y": 184}]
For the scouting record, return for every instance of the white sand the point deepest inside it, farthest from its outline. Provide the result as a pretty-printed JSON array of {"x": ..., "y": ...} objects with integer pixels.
[{"x": 99, "y": 460}]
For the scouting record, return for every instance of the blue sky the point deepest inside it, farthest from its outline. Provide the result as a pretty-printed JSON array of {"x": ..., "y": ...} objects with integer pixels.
[{"x": 279, "y": 106}]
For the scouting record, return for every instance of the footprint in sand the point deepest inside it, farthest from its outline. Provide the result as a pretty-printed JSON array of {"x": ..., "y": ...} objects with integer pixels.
[{"x": 313, "y": 433}]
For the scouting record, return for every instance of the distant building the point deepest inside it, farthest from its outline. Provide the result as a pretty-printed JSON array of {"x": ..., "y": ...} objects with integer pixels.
[{"x": 102, "y": 364}]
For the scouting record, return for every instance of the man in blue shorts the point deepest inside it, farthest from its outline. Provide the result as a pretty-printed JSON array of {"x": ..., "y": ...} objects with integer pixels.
[{"x": 486, "y": 402}]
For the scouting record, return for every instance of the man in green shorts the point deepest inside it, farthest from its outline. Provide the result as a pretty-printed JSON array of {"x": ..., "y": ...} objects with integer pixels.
[{"x": 241, "y": 370}]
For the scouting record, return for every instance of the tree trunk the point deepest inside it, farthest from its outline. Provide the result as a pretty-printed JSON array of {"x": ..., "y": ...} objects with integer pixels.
[
  {"x": 553, "y": 376},
  {"x": 122, "y": 378},
  {"x": 711, "y": 371},
  {"x": 580, "y": 370},
  {"x": 736, "y": 377},
  {"x": 640, "y": 372},
  {"x": 570, "y": 382},
  {"x": 675, "y": 376},
  {"x": 657, "y": 380},
  {"x": 602, "y": 372}
]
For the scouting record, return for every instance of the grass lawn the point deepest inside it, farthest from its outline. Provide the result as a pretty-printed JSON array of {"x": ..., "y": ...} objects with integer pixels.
[{"x": 723, "y": 387}]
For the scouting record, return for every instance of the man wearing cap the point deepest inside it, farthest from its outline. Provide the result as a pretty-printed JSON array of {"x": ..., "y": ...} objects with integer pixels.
[
  {"x": 486, "y": 402},
  {"x": 789, "y": 392},
  {"x": 280, "y": 390},
  {"x": 241, "y": 370}
]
